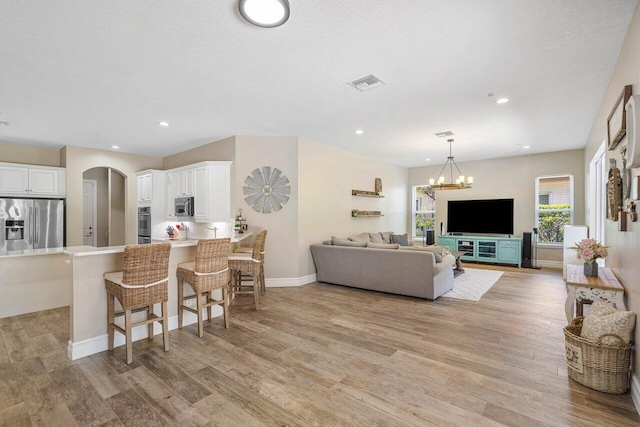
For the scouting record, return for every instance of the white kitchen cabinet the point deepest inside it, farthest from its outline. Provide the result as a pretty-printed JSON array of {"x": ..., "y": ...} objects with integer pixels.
[
  {"x": 151, "y": 188},
  {"x": 145, "y": 187},
  {"x": 209, "y": 183},
  {"x": 212, "y": 195},
  {"x": 32, "y": 181}
]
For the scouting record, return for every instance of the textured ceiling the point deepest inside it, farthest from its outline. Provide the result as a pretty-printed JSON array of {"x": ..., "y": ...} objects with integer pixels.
[{"x": 98, "y": 73}]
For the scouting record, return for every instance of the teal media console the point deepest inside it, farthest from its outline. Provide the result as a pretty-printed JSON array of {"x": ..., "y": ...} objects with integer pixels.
[{"x": 499, "y": 250}]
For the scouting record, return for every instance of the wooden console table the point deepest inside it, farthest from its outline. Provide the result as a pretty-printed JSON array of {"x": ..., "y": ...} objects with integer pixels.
[{"x": 582, "y": 288}]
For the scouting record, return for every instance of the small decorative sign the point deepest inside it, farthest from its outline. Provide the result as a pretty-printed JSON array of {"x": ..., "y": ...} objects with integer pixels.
[{"x": 574, "y": 357}]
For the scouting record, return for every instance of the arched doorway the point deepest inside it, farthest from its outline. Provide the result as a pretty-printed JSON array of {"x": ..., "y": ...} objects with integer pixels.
[{"x": 103, "y": 207}]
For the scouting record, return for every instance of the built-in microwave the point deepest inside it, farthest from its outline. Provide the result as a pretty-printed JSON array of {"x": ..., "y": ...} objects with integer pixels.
[{"x": 184, "y": 207}]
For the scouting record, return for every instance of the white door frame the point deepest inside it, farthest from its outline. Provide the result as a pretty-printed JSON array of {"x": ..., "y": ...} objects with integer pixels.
[
  {"x": 95, "y": 210},
  {"x": 598, "y": 195}
]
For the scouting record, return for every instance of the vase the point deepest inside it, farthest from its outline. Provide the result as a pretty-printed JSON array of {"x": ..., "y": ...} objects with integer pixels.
[{"x": 591, "y": 270}]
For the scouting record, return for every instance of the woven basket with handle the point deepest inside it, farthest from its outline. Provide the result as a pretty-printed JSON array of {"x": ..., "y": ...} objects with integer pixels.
[{"x": 602, "y": 367}]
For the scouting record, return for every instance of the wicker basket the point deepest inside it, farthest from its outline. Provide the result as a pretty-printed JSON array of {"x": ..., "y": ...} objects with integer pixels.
[{"x": 602, "y": 367}]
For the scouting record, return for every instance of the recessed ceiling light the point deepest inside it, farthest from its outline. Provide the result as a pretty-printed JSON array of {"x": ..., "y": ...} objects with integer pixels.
[
  {"x": 502, "y": 101},
  {"x": 264, "y": 13},
  {"x": 359, "y": 132},
  {"x": 165, "y": 124},
  {"x": 427, "y": 160},
  {"x": 115, "y": 147},
  {"x": 526, "y": 147}
]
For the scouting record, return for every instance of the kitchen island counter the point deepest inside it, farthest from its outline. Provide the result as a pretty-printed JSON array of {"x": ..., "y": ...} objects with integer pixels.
[{"x": 88, "y": 333}]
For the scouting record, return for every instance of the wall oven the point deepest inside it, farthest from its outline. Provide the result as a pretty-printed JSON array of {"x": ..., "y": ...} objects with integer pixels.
[{"x": 144, "y": 225}]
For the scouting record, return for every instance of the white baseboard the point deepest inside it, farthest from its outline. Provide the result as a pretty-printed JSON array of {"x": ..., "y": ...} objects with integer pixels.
[
  {"x": 635, "y": 391},
  {"x": 77, "y": 350},
  {"x": 549, "y": 264},
  {"x": 293, "y": 281}
]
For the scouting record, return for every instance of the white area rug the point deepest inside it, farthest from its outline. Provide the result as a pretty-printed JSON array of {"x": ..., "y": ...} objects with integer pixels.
[{"x": 473, "y": 284}]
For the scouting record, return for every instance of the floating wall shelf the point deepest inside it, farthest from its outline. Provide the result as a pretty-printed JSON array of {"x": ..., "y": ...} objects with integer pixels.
[
  {"x": 358, "y": 214},
  {"x": 363, "y": 193}
]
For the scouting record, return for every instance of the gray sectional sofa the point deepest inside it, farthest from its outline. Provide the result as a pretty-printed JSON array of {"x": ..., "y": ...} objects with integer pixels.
[{"x": 398, "y": 271}]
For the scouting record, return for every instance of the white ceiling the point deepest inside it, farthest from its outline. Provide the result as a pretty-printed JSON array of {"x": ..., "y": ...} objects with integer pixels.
[{"x": 97, "y": 73}]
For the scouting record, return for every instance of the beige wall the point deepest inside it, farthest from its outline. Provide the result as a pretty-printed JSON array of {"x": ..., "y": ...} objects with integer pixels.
[
  {"x": 26, "y": 154},
  {"x": 624, "y": 246},
  {"x": 101, "y": 176},
  {"x": 117, "y": 205},
  {"x": 79, "y": 159},
  {"x": 282, "y": 241},
  {"x": 326, "y": 177},
  {"x": 510, "y": 177}
]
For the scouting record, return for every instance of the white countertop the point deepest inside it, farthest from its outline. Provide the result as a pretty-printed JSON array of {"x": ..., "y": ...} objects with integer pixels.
[{"x": 91, "y": 250}]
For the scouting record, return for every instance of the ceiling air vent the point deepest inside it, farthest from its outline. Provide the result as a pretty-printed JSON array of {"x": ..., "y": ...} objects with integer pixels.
[
  {"x": 444, "y": 134},
  {"x": 366, "y": 83}
]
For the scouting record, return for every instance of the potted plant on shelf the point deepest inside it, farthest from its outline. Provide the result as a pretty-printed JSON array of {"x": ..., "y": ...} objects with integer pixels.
[
  {"x": 354, "y": 212},
  {"x": 589, "y": 250}
]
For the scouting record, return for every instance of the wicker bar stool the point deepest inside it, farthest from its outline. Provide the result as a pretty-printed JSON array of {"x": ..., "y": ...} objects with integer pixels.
[
  {"x": 141, "y": 284},
  {"x": 249, "y": 265},
  {"x": 210, "y": 271}
]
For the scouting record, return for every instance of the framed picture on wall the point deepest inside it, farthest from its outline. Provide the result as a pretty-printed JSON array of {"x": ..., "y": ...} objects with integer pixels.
[{"x": 617, "y": 120}]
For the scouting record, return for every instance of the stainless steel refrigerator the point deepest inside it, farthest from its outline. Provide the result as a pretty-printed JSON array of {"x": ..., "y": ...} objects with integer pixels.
[{"x": 31, "y": 224}]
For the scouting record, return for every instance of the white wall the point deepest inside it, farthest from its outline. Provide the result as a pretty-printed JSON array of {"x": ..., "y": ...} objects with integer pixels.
[
  {"x": 326, "y": 176},
  {"x": 506, "y": 178}
]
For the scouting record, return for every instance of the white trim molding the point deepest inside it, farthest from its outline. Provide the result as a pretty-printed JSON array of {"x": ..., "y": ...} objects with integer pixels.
[
  {"x": 78, "y": 350},
  {"x": 291, "y": 281},
  {"x": 635, "y": 391},
  {"x": 549, "y": 264}
]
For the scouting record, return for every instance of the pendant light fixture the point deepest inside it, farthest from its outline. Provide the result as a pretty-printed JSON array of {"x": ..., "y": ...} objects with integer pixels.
[
  {"x": 459, "y": 184},
  {"x": 264, "y": 13}
]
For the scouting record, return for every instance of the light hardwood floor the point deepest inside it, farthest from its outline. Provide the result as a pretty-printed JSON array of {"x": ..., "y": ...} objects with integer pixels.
[{"x": 320, "y": 355}]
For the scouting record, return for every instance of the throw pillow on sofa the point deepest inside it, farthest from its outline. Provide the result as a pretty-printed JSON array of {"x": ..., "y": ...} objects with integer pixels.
[
  {"x": 383, "y": 245},
  {"x": 386, "y": 236},
  {"x": 362, "y": 237},
  {"x": 376, "y": 238},
  {"x": 401, "y": 239},
  {"x": 344, "y": 242},
  {"x": 604, "y": 319}
]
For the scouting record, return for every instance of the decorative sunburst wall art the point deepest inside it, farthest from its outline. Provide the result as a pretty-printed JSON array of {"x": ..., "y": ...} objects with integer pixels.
[{"x": 265, "y": 190}]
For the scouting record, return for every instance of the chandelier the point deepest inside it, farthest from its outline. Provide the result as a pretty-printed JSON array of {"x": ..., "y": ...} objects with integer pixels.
[{"x": 460, "y": 183}]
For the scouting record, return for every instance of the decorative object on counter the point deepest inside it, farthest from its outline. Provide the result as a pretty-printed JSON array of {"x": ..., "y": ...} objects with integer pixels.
[
  {"x": 617, "y": 120},
  {"x": 173, "y": 233},
  {"x": 239, "y": 226},
  {"x": 182, "y": 227},
  {"x": 614, "y": 192},
  {"x": 589, "y": 250},
  {"x": 265, "y": 190}
]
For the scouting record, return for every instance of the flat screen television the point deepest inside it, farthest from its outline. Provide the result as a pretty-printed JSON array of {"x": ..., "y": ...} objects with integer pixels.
[{"x": 491, "y": 216}]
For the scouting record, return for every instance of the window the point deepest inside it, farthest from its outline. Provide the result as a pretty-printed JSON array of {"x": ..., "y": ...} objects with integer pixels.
[
  {"x": 554, "y": 207},
  {"x": 424, "y": 210}
]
